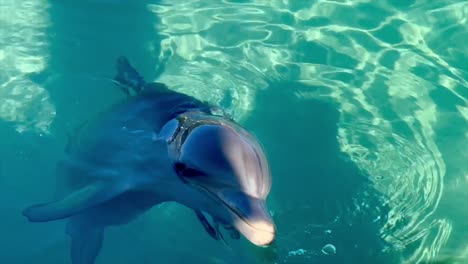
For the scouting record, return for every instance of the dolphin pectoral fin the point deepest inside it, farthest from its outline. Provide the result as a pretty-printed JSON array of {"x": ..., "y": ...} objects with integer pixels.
[
  {"x": 76, "y": 202},
  {"x": 86, "y": 246},
  {"x": 214, "y": 232},
  {"x": 232, "y": 232},
  {"x": 86, "y": 239},
  {"x": 208, "y": 227},
  {"x": 219, "y": 234}
]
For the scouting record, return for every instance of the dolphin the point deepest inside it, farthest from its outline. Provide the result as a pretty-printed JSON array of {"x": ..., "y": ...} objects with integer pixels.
[{"x": 157, "y": 146}]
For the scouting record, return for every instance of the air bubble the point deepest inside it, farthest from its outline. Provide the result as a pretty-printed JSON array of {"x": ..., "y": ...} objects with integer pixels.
[{"x": 329, "y": 249}]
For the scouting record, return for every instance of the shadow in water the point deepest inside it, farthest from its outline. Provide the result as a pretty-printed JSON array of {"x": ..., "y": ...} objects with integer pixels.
[
  {"x": 26, "y": 175},
  {"x": 86, "y": 38},
  {"x": 318, "y": 196}
]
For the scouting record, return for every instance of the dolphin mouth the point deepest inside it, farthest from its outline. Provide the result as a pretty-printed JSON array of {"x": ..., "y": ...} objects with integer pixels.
[
  {"x": 258, "y": 230},
  {"x": 249, "y": 215}
]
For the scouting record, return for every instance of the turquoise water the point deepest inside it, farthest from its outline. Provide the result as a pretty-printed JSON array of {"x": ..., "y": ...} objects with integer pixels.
[{"x": 360, "y": 105}]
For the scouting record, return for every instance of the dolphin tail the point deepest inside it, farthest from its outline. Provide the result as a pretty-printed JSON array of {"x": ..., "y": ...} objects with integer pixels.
[
  {"x": 86, "y": 239},
  {"x": 127, "y": 77}
]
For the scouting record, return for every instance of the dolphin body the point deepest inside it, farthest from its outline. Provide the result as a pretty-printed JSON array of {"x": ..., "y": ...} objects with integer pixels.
[{"x": 158, "y": 146}]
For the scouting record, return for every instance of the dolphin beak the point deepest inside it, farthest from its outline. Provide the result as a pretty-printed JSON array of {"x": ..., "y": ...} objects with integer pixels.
[{"x": 250, "y": 216}]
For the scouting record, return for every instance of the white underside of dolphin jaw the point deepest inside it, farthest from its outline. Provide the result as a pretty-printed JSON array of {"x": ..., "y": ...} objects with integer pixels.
[{"x": 258, "y": 233}]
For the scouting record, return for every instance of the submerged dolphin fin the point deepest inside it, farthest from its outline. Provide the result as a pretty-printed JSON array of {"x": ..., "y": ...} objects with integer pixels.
[
  {"x": 232, "y": 232},
  {"x": 86, "y": 246},
  {"x": 219, "y": 234},
  {"x": 86, "y": 239},
  {"x": 127, "y": 77},
  {"x": 208, "y": 227},
  {"x": 89, "y": 196},
  {"x": 214, "y": 232}
]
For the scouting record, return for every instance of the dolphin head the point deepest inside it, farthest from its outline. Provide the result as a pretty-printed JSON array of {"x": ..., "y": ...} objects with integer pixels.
[{"x": 226, "y": 165}]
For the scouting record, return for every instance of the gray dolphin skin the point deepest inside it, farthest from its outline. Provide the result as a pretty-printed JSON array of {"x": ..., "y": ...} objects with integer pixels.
[{"x": 158, "y": 146}]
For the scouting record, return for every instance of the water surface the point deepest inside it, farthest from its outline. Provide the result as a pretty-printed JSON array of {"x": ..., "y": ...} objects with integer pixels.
[{"x": 360, "y": 105}]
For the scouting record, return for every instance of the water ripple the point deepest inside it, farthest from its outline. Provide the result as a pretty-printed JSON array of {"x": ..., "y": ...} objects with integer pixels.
[
  {"x": 379, "y": 62},
  {"x": 23, "y": 52}
]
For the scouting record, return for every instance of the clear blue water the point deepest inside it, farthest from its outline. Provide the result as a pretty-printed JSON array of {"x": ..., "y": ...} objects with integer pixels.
[{"x": 361, "y": 106}]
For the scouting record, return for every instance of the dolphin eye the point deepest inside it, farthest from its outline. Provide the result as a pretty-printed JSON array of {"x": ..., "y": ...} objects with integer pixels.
[{"x": 182, "y": 170}]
